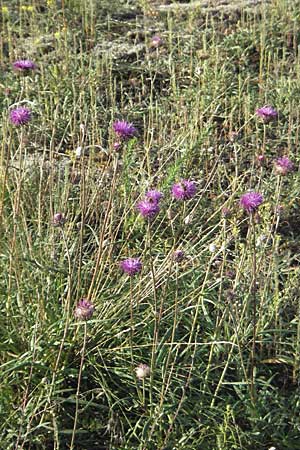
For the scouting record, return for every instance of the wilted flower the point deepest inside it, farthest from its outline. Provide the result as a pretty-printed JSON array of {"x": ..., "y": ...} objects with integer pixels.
[
  {"x": 251, "y": 201},
  {"x": 279, "y": 209},
  {"x": 78, "y": 152},
  {"x": 267, "y": 113},
  {"x": 124, "y": 129},
  {"x": 178, "y": 255},
  {"x": 154, "y": 196},
  {"x": 24, "y": 65},
  {"x": 184, "y": 190},
  {"x": 233, "y": 136},
  {"x": 59, "y": 220},
  {"x": 283, "y": 165},
  {"x": 142, "y": 371},
  {"x": 20, "y": 116},
  {"x": 147, "y": 208},
  {"x": 84, "y": 309},
  {"x": 131, "y": 266},
  {"x": 156, "y": 41},
  {"x": 226, "y": 213}
]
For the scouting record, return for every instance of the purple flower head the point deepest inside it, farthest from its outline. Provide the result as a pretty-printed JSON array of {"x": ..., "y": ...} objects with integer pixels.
[
  {"x": 59, "y": 220},
  {"x": 24, "y": 65},
  {"x": 154, "y": 196},
  {"x": 283, "y": 165},
  {"x": 124, "y": 129},
  {"x": 131, "y": 266},
  {"x": 147, "y": 208},
  {"x": 178, "y": 255},
  {"x": 20, "y": 116},
  {"x": 156, "y": 41},
  {"x": 251, "y": 201},
  {"x": 84, "y": 309},
  {"x": 184, "y": 190},
  {"x": 267, "y": 113}
]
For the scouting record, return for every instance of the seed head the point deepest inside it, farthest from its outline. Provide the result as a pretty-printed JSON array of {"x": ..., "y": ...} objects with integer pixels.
[
  {"x": 142, "y": 371},
  {"x": 251, "y": 201},
  {"x": 212, "y": 247},
  {"x": 124, "y": 130},
  {"x": 84, "y": 309},
  {"x": 283, "y": 165},
  {"x": 184, "y": 190},
  {"x": 20, "y": 116},
  {"x": 131, "y": 266}
]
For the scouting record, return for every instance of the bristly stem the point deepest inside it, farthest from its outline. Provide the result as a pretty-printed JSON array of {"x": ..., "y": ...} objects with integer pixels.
[
  {"x": 253, "y": 285},
  {"x": 155, "y": 332},
  {"x": 78, "y": 387},
  {"x": 131, "y": 323}
]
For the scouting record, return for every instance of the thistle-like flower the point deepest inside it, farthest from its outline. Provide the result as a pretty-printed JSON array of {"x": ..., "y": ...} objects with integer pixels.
[
  {"x": 24, "y": 66},
  {"x": 84, "y": 309},
  {"x": 267, "y": 113},
  {"x": 156, "y": 41},
  {"x": 283, "y": 165},
  {"x": 20, "y": 116},
  {"x": 154, "y": 196},
  {"x": 142, "y": 371},
  {"x": 184, "y": 190},
  {"x": 131, "y": 266},
  {"x": 59, "y": 220},
  {"x": 124, "y": 130},
  {"x": 178, "y": 255},
  {"x": 251, "y": 201},
  {"x": 148, "y": 209}
]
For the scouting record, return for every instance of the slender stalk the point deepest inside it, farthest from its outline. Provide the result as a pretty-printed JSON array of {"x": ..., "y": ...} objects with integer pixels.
[
  {"x": 131, "y": 323},
  {"x": 253, "y": 285},
  {"x": 155, "y": 333},
  {"x": 78, "y": 387},
  {"x": 66, "y": 327}
]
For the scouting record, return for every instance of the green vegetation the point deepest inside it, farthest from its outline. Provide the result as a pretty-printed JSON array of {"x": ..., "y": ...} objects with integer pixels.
[{"x": 220, "y": 330}]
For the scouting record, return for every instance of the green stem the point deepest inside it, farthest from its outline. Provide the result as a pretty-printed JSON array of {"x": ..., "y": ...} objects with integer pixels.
[
  {"x": 253, "y": 284},
  {"x": 78, "y": 386}
]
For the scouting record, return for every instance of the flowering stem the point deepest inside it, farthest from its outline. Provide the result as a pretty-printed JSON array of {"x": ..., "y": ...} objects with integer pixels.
[
  {"x": 253, "y": 284},
  {"x": 131, "y": 323},
  {"x": 78, "y": 386},
  {"x": 264, "y": 140},
  {"x": 155, "y": 333},
  {"x": 66, "y": 327}
]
